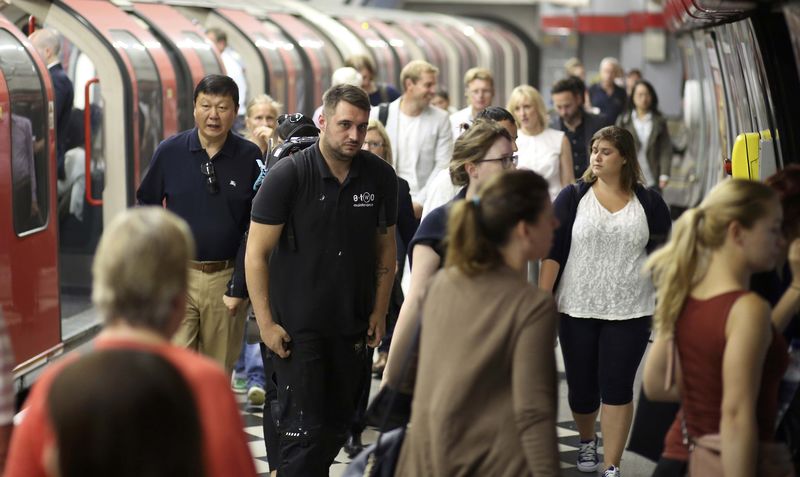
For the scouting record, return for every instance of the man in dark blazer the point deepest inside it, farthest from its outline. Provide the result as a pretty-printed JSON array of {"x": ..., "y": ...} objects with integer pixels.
[
  {"x": 578, "y": 124},
  {"x": 48, "y": 44}
]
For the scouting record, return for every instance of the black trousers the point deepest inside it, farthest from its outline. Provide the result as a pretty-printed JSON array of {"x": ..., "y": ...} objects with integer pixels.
[
  {"x": 271, "y": 410},
  {"x": 359, "y": 418},
  {"x": 319, "y": 386}
]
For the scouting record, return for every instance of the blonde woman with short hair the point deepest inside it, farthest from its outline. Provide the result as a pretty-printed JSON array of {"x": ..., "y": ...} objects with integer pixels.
[
  {"x": 261, "y": 121},
  {"x": 541, "y": 149}
]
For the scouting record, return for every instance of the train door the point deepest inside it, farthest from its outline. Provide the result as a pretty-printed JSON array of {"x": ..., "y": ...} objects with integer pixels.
[
  {"x": 193, "y": 56},
  {"x": 256, "y": 71},
  {"x": 127, "y": 107},
  {"x": 314, "y": 47},
  {"x": 28, "y": 224},
  {"x": 296, "y": 98},
  {"x": 386, "y": 61},
  {"x": 252, "y": 29},
  {"x": 439, "y": 54},
  {"x": 403, "y": 46}
]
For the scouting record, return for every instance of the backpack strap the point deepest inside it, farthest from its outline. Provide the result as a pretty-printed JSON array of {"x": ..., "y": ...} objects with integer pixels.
[
  {"x": 384, "y": 91},
  {"x": 291, "y": 235},
  {"x": 383, "y": 112}
]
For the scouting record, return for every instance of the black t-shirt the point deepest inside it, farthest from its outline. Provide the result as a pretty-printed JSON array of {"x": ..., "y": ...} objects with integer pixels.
[
  {"x": 322, "y": 273},
  {"x": 218, "y": 221},
  {"x": 433, "y": 229}
]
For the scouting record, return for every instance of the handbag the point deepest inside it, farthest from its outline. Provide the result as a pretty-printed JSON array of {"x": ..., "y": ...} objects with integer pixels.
[
  {"x": 380, "y": 459},
  {"x": 705, "y": 458},
  {"x": 705, "y": 452}
]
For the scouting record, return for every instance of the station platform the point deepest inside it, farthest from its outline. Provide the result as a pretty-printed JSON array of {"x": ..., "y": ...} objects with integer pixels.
[{"x": 633, "y": 465}]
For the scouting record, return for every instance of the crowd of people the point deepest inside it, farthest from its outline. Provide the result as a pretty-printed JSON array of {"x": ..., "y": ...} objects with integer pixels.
[{"x": 516, "y": 227}]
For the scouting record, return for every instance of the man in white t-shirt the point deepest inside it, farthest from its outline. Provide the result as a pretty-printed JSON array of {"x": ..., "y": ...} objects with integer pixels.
[
  {"x": 420, "y": 133},
  {"x": 479, "y": 88},
  {"x": 234, "y": 66}
]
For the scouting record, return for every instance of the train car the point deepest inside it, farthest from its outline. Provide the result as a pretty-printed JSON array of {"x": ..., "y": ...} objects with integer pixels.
[
  {"x": 134, "y": 66},
  {"x": 741, "y": 74}
]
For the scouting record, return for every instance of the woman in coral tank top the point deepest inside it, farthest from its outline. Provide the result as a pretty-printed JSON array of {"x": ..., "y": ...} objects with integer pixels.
[{"x": 731, "y": 356}]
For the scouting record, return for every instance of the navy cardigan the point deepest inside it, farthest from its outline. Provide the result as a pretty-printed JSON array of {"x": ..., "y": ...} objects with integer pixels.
[{"x": 565, "y": 206}]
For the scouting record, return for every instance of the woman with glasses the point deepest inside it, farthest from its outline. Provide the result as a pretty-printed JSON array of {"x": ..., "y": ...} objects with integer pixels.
[
  {"x": 485, "y": 150},
  {"x": 541, "y": 149},
  {"x": 261, "y": 121},
  {"x": 610, "y": 222},
  {"x": 485, "y": 403},
  {"x": 442, "y": 190}
]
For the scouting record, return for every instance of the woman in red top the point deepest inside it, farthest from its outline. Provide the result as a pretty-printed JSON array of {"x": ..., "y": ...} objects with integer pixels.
[{"x": 731, "y": 357}]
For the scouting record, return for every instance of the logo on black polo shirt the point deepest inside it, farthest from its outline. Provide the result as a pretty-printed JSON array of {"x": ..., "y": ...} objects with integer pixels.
[{"x": 365, "y": 199}]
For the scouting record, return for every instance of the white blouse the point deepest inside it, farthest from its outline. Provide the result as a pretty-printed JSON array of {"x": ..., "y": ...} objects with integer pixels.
[
  {"x": 603, "y": 275},
  {"x": 542, "y": 154},
  {"x": 644, "y": 127}
]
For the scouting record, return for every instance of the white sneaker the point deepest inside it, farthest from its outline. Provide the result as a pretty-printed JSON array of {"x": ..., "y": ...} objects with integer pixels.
[
  {"x": 612, "y": 472},
  {"x": 587, "y": 456},
  {"x": 256, "y": 395}
]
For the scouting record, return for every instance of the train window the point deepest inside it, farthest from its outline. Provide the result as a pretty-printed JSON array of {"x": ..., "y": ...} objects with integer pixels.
[
  {"x": 204, "y": 51},
  {"x": 296, "y": 97},
  {"x": 385, "y": 61},
  {"x": 315, "y": 49},
  {"x": 719, "y": 93},
  {"x": 29, "y": 136},
  {"x": 277, "y": 71},
  {"x": 403, "y": 47},
  {"x": 148, "y": 82},
  {"x": 758, "y": 92},
  {"x": 732, "y": 71},
  {"x": 792, "y": 14}
]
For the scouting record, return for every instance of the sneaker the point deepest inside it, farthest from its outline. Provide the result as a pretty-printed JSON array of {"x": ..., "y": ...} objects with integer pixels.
[
  {"x": 256, "y": 395},
  {"x": 612, "y": 472},
  {"x": 587, "y": 456},
  {"x": 238, "y": 385}
]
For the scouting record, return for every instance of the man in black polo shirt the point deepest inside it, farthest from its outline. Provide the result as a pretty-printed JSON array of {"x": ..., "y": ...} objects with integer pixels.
[
  {"x": 206, "y": 176},
  {"x": 320, "y": 265},
  {"x": 578, "y": 124}
]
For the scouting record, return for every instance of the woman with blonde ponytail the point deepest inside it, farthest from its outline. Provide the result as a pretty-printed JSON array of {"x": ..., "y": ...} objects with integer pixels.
[
  {"x": 485, "y": 403},
  {"x": 730, "y": 354}
]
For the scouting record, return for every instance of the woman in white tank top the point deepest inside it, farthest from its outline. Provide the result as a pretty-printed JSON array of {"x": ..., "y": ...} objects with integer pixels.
[{"x": 543, "y": 150}]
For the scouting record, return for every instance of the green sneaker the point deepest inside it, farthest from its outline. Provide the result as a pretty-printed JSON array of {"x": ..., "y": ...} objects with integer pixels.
[{"x": 239, "y": 385}]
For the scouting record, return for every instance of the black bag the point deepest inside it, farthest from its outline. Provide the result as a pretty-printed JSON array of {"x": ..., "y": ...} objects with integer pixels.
[{"x": 378, "y": 459}]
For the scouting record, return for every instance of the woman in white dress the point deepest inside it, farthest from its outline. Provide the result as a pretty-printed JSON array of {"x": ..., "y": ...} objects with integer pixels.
[{"x": 541, "y": 149}]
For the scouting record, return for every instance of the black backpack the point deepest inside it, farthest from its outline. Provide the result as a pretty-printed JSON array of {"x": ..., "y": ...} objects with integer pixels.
[{"x": 289, "y": 147}]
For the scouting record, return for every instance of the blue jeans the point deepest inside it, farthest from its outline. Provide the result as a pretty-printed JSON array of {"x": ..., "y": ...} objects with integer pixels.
[{"x": 250, "y": 366}]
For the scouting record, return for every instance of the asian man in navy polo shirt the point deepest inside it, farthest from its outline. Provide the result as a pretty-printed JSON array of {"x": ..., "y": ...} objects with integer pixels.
[
  {"x": 320, "y": 265},
  {"x": 206, "y": 176}
]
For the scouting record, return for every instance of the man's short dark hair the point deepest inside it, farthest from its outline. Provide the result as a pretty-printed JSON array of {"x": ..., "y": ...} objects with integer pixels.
[
  {"x": 217, "y": 85},
  {"x": 218, "y": 34},
  {"x": 347, "y": 93},
  {"x": 496, "y": 113},
  {"x": 571, "y": 84}
]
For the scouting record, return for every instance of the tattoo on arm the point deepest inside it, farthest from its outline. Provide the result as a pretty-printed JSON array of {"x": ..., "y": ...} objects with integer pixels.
[{"x": 380, "y": 272}]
